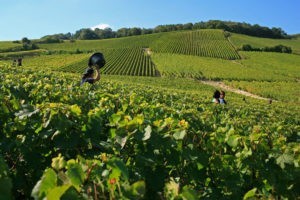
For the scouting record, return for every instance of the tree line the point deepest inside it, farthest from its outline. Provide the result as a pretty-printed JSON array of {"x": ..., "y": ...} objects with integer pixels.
[
  {"x": 278, "y": 48},
  {"x": 235, "y": 27}
]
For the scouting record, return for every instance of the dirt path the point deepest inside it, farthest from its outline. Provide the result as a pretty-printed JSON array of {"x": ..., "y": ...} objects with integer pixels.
[
  {"x": 223, "y": 86},
  {"x": 231, "y": 89}
]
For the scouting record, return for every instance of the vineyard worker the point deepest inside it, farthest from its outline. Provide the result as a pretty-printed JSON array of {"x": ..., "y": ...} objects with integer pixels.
[
  {"x": 216, "y": 97},
  {"x": 88, "y": 76},
  {"x": 222, "y": 98},
  {"x": 19, "y": 61}
]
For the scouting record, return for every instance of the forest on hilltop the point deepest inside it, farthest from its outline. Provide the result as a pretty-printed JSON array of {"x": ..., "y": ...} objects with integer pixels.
[{"x": 235, "y": 27}]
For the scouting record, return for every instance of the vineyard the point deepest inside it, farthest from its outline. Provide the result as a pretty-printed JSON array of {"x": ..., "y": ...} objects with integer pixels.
[
  {"x": 208, "y": 43},
  {"x": 153, "y": 134},
  {"x": 142, "y": 41},
  {"x": 124, "y": 141},
  {"x": 7, "y": 45},
  {"x": 265, "y": 66},
  {"x": 124, "y": 61}
]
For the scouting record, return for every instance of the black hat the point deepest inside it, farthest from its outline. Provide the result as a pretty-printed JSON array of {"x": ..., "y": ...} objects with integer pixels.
[{"x": 97, "y": 59}]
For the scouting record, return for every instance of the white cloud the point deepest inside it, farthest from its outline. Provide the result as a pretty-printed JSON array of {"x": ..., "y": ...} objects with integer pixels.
[{"x": 100, "y": 26}]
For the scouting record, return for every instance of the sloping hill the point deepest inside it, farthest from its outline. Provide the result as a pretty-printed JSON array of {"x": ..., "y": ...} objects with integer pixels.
[
  {"x": 142, "y": 41},
  {"x": 238, "y": 40},
  {"x": 125, "y": 134},
  {"x": 5, "y": 45},
  {"x": 207, "y": 43},
  {"x": 200, "y": 54},
  {"x": 119, "y": 61},
  {"x": 127, "y": 56}
]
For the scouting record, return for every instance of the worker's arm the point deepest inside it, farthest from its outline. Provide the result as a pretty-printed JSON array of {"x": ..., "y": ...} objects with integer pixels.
[{"x": 98, "y": 75}]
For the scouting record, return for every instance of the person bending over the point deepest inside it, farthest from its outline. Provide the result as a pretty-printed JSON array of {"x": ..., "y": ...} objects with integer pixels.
[
  {"x": 88, "y": 76},
  {"x": 216, "y": 97}
]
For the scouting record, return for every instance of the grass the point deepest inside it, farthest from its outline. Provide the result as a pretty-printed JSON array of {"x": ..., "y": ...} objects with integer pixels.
[
  {"x": 238, "y": 40},
  {"x": 13, "y": 55},
  {"x": 252, "y": 68},
  {"x": 281, "y": 91},
  {"x": 95, "y": 45},
  {"x": 8, "y": 44},
  {"x": 287, "y": 65},
  {"x": 53, "y": 62}
]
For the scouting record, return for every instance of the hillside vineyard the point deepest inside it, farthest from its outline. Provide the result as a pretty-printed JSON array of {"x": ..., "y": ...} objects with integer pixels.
[{"x": 148, "y": 128}]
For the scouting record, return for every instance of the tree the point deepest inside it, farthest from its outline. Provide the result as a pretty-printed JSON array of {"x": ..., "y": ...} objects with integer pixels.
[
  {"x": 86, "y": 34},
  {"x": 147, "y": 31},
  {"x": 188, "y": 26},
  {"x": 199, "y": 25},
  {"x": 235, "y": 27},
  {"x": 278, "y": 32},
  {"x": 105, "y": 33},
  {"x": 25, "y": 40},
  {"x": 160, "y": 28},
  {"x": 246, "y": 47},
  {"x": 135, "y": 31},
  {"x": 122, "y": 32}
]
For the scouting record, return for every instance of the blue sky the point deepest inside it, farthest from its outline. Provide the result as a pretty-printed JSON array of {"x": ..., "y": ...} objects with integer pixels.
[{"x": 36, "y": 18}]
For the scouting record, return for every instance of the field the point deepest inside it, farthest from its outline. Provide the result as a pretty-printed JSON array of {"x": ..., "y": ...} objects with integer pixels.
[
  {"x": 208, "y": 43},
  {"x": 238, "y": 40},
  {"x": 7, "y": 45},
  {"x": 271, "y": 67},
  {"x": 282, "y": 91},
  {"x": 148, "y": 129}
]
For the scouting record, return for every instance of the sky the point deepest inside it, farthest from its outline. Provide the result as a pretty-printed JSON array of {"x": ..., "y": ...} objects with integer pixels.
[{"x": 36, "y": 18}]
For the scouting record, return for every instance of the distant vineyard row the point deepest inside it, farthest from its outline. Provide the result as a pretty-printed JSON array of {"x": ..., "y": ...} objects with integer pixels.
[
  {"x": 208, "y": 43},
  {"x": 127, "y": 61},
  {"x": 136, "y": 61},
  {"x": 211, "y": 43}
]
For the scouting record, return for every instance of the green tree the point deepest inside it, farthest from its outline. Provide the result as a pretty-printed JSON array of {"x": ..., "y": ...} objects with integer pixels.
[
  {"x": 25, "y": 40},
  {"x": 122, "y": 32},
  {"x": 86, "y": 34},
  {"x": 135, "y": 31},
  {"x": 188, "y": 26},
  {"x": 246, "y": 47},
  {"x": 105, "y": 33},
  {"x": 147, "y": 31}
]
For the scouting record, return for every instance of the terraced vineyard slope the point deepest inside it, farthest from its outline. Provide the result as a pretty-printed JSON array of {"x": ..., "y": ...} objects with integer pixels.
[
  {"x": 120, "y": 61},
  {"x": 208, "y": 43}
]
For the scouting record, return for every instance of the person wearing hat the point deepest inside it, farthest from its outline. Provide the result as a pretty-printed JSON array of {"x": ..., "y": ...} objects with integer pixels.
[{"x": 88, "y": 76}]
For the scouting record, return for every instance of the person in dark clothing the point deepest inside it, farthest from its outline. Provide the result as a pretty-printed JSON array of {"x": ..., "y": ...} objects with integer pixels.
[
  {"x": 216, "y": 97},
  {"x": 19, "y": 61},
  {"x": 88, "y": 76}
]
